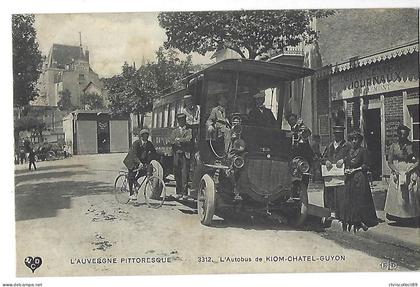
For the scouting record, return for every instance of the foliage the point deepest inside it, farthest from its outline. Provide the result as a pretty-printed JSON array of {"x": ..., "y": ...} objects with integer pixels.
[
  {"x": 28, "y": 123},
  {"x": 65, "y": 104},
  {"x": 249, "y": 33},
  {"x": 169, "y": 69},
  {"x": 27, "y": 59},
  {"x": 92, "y": 101},
  {"x": 132, "y": 91}
]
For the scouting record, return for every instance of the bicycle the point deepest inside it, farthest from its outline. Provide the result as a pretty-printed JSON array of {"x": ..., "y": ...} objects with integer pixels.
[{"x": 154, "y": 188}]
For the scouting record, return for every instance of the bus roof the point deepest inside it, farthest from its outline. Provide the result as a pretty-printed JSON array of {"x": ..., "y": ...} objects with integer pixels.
[
  {"x": 280, "y": 71},
  {"x": 169, "y": 98}
]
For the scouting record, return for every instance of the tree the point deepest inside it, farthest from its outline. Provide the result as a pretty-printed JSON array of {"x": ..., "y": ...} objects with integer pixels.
[
  {"x": 64, "y": 103},
  {"x": 132, "y": 91},
  {"x": 249, "y": 33},
  {"x": 92, "y": 101},
  {"x": 168, "y": 69},
  {"x": 27, "y": 59},
  {"x": 31, "y": 124}
]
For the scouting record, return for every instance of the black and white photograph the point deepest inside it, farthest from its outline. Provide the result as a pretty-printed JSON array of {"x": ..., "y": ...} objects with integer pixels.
[{"x": 214, "y": 141}]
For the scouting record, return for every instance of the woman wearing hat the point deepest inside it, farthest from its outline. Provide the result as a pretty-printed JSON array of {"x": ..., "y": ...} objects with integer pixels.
[
  {"x": 402, "y": 201},
  {"x": 358, "y": 208}
]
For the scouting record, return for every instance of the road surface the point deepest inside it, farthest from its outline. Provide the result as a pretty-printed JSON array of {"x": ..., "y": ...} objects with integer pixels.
[{"x": 67, "y": 215}]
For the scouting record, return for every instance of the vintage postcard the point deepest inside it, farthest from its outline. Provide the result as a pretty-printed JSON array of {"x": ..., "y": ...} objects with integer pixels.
[{"x": 184, "y": 143}]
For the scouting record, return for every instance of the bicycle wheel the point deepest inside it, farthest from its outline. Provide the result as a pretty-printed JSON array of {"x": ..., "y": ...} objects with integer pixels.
[
  {"x": 154, "y": 192},
  {"x": 121, "y": 190}
]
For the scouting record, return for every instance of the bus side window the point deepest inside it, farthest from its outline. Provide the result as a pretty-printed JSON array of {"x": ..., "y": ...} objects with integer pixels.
[{"x": 154, "y": 125}]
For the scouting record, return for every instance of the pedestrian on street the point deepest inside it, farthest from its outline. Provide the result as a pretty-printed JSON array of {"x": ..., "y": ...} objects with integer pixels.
[
  {"x": 139, "y": 156},
  {"x": 358, "y": 208},
  {"x": 181, "y": 146},
  {"x": 31, "y": 158},
  {"x": 22, "y": 155},
  {"x": 403, "y": 200},
  {"x": 316, "y": 148},
  {"x": 335, "y": 153}
]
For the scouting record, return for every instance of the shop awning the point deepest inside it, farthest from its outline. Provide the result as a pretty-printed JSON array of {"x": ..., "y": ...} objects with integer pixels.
[{"x": 406, "y": 49}]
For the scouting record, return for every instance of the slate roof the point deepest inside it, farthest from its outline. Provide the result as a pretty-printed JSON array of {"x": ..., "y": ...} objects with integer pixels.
[{"x": 60, "y": 55}]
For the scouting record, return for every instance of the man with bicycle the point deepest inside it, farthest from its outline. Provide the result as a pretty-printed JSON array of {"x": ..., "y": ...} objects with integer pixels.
[{"x": 138, "y": 159}]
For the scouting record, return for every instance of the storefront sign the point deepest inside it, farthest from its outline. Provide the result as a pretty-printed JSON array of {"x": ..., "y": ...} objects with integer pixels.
[{"x": 383, "y": 77}]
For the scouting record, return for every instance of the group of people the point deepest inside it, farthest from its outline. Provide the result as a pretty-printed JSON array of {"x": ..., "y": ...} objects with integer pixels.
[
  {"x": 26, "y": 154},
  {"x": 352, "y": 203},
  {"x": 142, "y": 152}
]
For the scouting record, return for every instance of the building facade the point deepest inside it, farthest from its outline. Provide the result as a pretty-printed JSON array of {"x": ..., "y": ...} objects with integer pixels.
[
  {"x": 369, "y": 80},
  {"x": 67, "y": 68}
]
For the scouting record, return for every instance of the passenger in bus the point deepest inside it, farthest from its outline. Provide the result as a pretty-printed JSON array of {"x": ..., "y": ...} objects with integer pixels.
[
  {"x": 181, "y": 146},
  {"x": 261, "y": 116},
  {"x": 191, "y": 111},
  {"x": 218, "y": 126},
  {"x": 139, "y": 156}
]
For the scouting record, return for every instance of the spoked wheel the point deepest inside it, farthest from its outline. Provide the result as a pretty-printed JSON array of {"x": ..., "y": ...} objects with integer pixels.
[
  {"x": 206, "y": 199},
  {"x": 154, "y": 192},
  {"x": 302, "y": 210},
  {"x": 50, "y": 155},
  {"x": 121, "y": 190}
]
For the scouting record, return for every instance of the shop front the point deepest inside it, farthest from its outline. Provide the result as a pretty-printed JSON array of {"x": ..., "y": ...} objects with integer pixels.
[{"x": 375, "y": 94}]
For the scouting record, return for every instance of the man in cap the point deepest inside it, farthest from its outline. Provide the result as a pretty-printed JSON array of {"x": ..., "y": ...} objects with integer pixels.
[
  {"x": 298, "y": 127},
  {"x": 301, "y": 134},
  {"x": 335, "y": 153},
  {"x": 218, "y": 126},
  {"x": 139, "y": 156},
  {"x": 260, "y": 115},
  {"x": 191, "y": 111},
  {"x": 181, "y": 147}
]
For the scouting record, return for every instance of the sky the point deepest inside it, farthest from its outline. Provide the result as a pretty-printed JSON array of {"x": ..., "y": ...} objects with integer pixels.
[{"x": 110, "y": 38}]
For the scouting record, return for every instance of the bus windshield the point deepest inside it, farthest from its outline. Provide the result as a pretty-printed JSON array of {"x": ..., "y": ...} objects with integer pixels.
[{"x": 253, "y": 96}]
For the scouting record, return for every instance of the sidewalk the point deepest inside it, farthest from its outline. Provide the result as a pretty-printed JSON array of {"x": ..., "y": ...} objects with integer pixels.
[{"x": 384, "y": 232}]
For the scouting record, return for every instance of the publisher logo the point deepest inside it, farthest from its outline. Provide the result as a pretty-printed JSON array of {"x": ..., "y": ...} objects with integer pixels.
[
  {"x": 33, "y": 263},
  {"x": 389, "y": 265}
]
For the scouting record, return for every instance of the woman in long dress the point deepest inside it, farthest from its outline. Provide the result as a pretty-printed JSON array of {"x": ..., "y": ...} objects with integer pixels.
[
  {"x": 402, "y": 201},
  {"x": 358, "y": 208}
]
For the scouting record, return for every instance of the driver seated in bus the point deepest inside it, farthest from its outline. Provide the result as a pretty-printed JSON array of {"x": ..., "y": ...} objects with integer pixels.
[
  {"x": 218, "y": 126},
  {"x": 139, "y": 156},
  {"x": 261, "y": 116}
]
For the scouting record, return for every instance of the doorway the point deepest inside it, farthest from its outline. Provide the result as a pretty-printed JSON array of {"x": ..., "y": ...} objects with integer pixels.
[
  {"x": 103, "y": 136},
  {"x": 373, "y": 140}
]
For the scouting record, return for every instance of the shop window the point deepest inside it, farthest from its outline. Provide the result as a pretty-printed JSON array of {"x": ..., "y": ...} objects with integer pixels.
[{"x": 414, "y": 120}]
